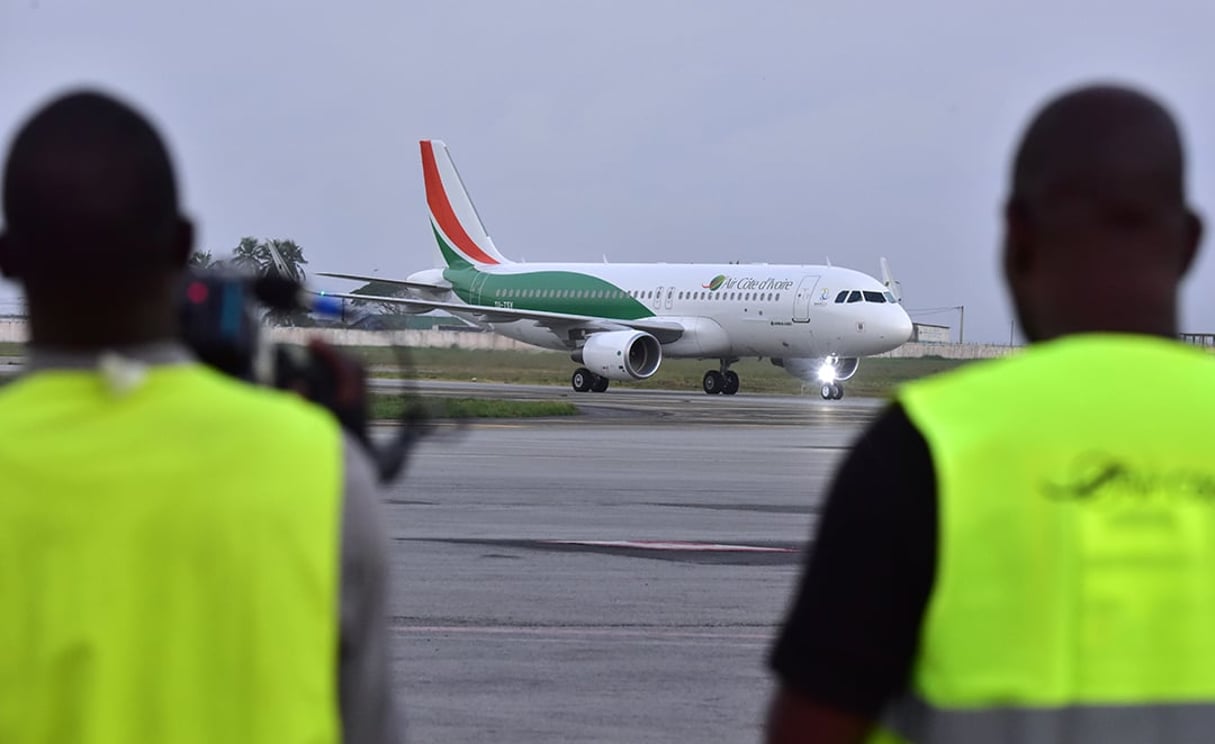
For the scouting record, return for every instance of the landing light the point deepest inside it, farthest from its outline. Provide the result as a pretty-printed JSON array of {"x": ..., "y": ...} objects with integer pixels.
[{"x": 826, "y": 373}]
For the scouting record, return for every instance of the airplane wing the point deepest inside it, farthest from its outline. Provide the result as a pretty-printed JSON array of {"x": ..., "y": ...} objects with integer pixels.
[
  {"x": 382, "y": 280},
  {"x": 665, "y": 331}
]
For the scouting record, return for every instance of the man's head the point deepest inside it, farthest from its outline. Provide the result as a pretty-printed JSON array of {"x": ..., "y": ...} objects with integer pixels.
[
  {"x": 92, "y": 226},
  {"x": 1098, "y": 233}
]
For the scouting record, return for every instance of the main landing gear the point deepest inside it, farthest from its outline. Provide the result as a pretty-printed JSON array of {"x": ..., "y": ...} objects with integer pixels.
[
  {"x": 585, "y": 380},
  {"x": 724, "y": 382},
  {"x": 831, "y": 391}
]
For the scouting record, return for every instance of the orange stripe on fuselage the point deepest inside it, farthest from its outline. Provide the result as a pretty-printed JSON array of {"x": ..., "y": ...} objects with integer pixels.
[{"x": 440, "y": 207}]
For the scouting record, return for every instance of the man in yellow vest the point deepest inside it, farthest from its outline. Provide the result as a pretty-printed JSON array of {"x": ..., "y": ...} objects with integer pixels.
[
  {"x": 1024, "y": 550},
  {"x": 183, "y": 557}
]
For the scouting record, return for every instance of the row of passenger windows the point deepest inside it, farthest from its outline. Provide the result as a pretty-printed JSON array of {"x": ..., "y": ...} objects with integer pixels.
[
  {"x": 579, "y": 293},
  {"x": 856, "y": 295},
  {"x": 637, "y": 294},
  {"x": 744, "y": 296}
]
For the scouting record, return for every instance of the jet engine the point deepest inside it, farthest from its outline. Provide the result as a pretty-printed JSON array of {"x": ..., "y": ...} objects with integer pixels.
[
  {"x": 820, "y": 369},
  {"x": 620, "y": 355}
]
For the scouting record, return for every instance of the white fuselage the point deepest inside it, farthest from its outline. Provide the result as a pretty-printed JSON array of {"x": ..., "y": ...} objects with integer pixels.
[{"x": 728, "y": 310}]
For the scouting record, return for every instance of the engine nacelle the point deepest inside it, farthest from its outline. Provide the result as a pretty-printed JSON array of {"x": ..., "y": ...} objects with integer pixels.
[
  {"x": 620, "y": 355},
  {"x": 813, "y": 369}
]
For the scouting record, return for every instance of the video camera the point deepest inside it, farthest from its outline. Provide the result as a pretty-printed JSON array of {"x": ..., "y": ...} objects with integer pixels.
[{"x": 219, "y": 314}]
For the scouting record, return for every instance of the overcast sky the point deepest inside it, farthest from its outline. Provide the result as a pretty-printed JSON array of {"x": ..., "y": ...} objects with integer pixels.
[{"x": 679, "y": 131}]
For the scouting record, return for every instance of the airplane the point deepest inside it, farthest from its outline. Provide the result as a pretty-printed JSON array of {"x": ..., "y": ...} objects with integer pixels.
[{"x": 619, "y": 321}]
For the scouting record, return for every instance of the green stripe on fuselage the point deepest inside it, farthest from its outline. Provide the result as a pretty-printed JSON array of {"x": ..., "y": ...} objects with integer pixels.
[{"x": 550, "y": 291}]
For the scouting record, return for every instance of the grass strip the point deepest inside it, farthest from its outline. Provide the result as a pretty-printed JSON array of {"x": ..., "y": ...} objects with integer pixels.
[
  {"x": 876, "y": 376},
  {"x": 386, "y": 406}
]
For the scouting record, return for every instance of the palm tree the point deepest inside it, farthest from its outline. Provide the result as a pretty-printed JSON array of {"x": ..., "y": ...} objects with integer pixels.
[
  {"x": 251, "y": 256},
  {"x": 202, "y": 260}
]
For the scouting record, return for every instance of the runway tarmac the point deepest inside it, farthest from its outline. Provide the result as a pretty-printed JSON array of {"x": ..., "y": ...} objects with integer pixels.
[
  {"x": 667, "y": 406},
  {"x": 603, "y": 578}
]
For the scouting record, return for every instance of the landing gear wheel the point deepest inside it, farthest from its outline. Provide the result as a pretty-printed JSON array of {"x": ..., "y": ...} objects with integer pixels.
[
  {"x": 731, "y": 386},
  {"x": 827, "y": 391},
  {"x": 582, "y": 380},
  {"x": 714, "y": 382},
  {"x": 838, "y": 391},
  {"x": 600, "y": 385}
]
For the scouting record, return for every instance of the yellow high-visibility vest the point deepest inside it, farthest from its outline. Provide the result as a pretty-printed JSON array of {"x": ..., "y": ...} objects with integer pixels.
[
  {"x": 169, "y": 562},
  {"x": 1074, "y": 597}
]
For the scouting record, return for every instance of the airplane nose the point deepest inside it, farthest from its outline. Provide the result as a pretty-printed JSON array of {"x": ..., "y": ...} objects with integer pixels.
[{"x": 901, "y": 328}]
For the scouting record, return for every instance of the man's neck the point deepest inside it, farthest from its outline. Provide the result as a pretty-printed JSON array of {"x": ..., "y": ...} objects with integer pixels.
[
  {"x": 99, "y": 328},
  {"x": 41, "y": 358}
]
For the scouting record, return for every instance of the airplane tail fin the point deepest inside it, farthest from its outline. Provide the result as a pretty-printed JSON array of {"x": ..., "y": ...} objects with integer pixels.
[
  {"x": 279, "y": 264},
  {"x": 892, "y": 284},
  {"x": 458, "y": 230}
]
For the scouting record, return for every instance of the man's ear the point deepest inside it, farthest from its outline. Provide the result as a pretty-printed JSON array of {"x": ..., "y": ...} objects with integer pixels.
[
  {"x": 1193, "y": 239},
  {"x": 1018, "y": 242},
  {"x": 10, "y": 266},
  {"x": 183, "y": 242}
]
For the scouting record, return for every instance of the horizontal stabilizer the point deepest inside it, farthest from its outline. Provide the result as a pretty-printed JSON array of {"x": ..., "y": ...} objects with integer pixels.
[{"x": 382, "y": 280}]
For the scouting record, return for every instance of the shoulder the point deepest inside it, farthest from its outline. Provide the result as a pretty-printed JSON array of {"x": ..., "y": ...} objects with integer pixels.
[{"x": 280, "y": 414}]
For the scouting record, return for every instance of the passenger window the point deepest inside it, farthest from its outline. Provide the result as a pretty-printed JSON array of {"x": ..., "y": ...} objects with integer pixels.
[
  {"x": 854, "y": 296},
  {"x": 874, "y": 297}
]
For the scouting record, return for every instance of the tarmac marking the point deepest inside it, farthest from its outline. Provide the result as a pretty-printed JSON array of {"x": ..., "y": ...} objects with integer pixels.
[
  {"x": 673, "y": 545},
  {"x": 558, "y": 632}
]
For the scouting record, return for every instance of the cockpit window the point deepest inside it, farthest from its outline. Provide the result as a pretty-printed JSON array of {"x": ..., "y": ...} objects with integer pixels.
[
  {"x": 855, "y": 296},
  {"x": 889, "y": 297},
  {"x": 874, "y": 297},
  {"x": 843, "y": 295}
]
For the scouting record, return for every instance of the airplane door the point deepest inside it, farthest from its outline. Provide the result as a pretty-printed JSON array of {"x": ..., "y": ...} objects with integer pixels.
[
  {"x": 801, "y": 299},
  {"x": 475, "y": 289},
  {"x": 670, "y": 296},
  {"x": 658, "y": 299}
]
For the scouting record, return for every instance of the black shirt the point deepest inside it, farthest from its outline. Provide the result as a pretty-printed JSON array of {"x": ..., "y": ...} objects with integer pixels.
[{"x": 850, "y": 639}]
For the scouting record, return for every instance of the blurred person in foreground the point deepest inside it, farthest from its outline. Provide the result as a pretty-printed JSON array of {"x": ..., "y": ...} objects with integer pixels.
[
  {"x": 183, "y": 557},
  {"x": 1023, "y": 550}
]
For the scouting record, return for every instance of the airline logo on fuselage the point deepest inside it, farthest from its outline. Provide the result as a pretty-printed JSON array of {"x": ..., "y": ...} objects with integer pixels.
[{"x": 746, "y": 283}]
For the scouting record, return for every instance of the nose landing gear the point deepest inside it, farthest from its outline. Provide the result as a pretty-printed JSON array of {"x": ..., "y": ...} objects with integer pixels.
[{"x": 828, "y": 376}]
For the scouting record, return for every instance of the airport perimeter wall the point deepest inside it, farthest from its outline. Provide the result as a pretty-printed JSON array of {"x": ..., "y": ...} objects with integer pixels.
[
  {"x": 950, "y": 351},
  {"x": 12, "y": 330}
]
